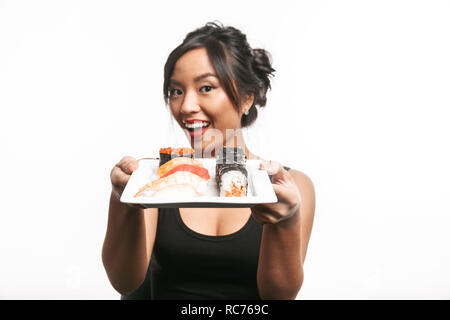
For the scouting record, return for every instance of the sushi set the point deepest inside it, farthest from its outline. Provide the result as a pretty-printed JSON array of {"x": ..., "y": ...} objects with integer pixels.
[{"x": 178, "y": 179}]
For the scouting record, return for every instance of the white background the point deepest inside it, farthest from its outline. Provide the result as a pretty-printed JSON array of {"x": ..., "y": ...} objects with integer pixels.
[{"x": 359, "y": 103}]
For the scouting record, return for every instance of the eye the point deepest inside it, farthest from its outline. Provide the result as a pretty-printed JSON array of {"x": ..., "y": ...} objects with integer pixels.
[
  {"x": 173, "y": 92},
  {"x": 206, "y": 88}
]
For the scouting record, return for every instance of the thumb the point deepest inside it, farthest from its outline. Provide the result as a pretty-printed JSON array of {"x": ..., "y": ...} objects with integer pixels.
[{"x": 275, "y": 169}]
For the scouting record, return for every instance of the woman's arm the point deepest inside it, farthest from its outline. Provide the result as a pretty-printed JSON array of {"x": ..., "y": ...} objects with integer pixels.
[
  {"x": 129, "y": 236},
  {"x": 285, "y": 240}
]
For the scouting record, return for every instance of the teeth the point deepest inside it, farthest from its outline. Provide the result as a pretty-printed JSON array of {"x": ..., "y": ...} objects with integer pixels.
[{"x": 196, "y": 125}]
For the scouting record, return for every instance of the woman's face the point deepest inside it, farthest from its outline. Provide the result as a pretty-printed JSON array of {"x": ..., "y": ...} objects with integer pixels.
[{"x": 201, "y": 106}]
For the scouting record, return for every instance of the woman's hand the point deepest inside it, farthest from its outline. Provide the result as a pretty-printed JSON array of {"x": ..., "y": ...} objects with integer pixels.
[
  {"x": 121, "y": 173},
  {"x": 286, "y": 191}
]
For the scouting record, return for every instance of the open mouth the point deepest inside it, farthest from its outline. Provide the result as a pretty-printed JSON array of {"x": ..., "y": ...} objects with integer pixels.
[{"x": 196, "y": 127}]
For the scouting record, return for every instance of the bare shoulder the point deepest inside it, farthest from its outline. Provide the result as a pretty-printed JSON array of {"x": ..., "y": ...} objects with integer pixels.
[
  {"x": 307, "y": 192},
  {"x": 304, "y": 183}
]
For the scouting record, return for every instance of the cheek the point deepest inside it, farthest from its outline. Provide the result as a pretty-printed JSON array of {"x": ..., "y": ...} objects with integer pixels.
[
  {"x": 174, "y": 110},
  {"x": 222, "y": 112},
  {"x": 229, "y": 118}
]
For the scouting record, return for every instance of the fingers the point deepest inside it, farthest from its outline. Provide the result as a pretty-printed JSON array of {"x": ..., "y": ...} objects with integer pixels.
[
  {"x": 269, "y": 166},
  {"x": 287, "y": 194},
  {"x": 275, "y": 169},
  {"x": 128, "y": 164},
  {"x": 121, "y": 172},
  {"x": 287, "y": 205},
  {"x": 266, "y": 218},
  {"x": 118, "y": 177},
  {"x": 266, "y": 213}
]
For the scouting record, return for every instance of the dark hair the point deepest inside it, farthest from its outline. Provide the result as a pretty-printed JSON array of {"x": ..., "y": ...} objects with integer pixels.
[{"x": 242, "y": 70}]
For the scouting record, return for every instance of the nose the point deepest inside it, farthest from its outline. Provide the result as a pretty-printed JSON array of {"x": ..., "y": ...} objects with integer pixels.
[{"x": 190, "y": 103}]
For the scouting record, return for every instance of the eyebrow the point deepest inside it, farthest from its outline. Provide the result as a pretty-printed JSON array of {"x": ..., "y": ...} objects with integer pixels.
[{"x": 196, "y": 79}]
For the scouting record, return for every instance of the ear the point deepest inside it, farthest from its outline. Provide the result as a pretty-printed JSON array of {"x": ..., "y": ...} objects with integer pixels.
[{"x": 247, "y": 102}]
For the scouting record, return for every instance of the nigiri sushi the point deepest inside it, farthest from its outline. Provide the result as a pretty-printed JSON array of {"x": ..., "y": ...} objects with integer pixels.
[
  {"x": 169, "y": 165},
  {"x": 181, "y": 172}
]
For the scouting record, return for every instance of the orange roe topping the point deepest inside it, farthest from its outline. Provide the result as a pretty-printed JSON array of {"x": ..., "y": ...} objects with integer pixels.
[
  {"x": 182, "y": 151},
  {"x": 236, "y": 191},
  {"x": 166, "y": 150},
  {"x": 178, "y": 151}
]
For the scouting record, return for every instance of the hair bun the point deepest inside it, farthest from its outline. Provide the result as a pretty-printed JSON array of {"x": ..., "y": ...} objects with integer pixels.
[{"x": 262, "y": 66}]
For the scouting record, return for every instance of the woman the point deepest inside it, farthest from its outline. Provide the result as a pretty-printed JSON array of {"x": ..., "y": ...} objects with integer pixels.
[{"x": 216, "y": 79}]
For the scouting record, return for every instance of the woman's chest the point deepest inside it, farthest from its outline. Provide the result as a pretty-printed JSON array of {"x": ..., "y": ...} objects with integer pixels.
[{"x": 215, "y": 221}]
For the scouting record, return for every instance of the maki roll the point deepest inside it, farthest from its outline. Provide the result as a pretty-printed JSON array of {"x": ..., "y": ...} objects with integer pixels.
[
  {"x": 167, "y": 154},
  {"x": 229, "y": 155},
  {"x": 232, "y": 181},
  {"x": 231, "y": 174}
]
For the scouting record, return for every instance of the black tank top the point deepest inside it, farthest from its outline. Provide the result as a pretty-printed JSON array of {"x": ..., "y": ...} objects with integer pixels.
[{"x": 189, "y": 265}]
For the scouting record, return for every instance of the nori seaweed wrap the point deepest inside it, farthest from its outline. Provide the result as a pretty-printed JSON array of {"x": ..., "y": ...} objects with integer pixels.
[
  {"x": 167, "y": 154},
  {"x": 231, "y": 174},
  {"x": 230, "y": 155}
]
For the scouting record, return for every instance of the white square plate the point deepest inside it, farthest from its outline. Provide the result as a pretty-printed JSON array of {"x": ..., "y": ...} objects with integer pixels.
[{"x": 259, "y": 188}]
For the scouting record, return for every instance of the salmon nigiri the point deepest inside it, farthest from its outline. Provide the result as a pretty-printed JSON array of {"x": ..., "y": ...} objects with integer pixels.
[
  {"x": 179, "y": 172},
  {"x": 169, "y": 165},
  {"x": 179, "y": 178}
]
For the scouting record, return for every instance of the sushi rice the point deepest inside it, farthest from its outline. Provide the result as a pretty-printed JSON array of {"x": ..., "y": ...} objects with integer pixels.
[{"x": 233, "y": 183}]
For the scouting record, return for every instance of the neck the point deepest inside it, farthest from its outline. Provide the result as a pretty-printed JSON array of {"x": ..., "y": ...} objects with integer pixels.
[
  {"x": 239, "y": 142},
  {"x": 236, "y": 140}
]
